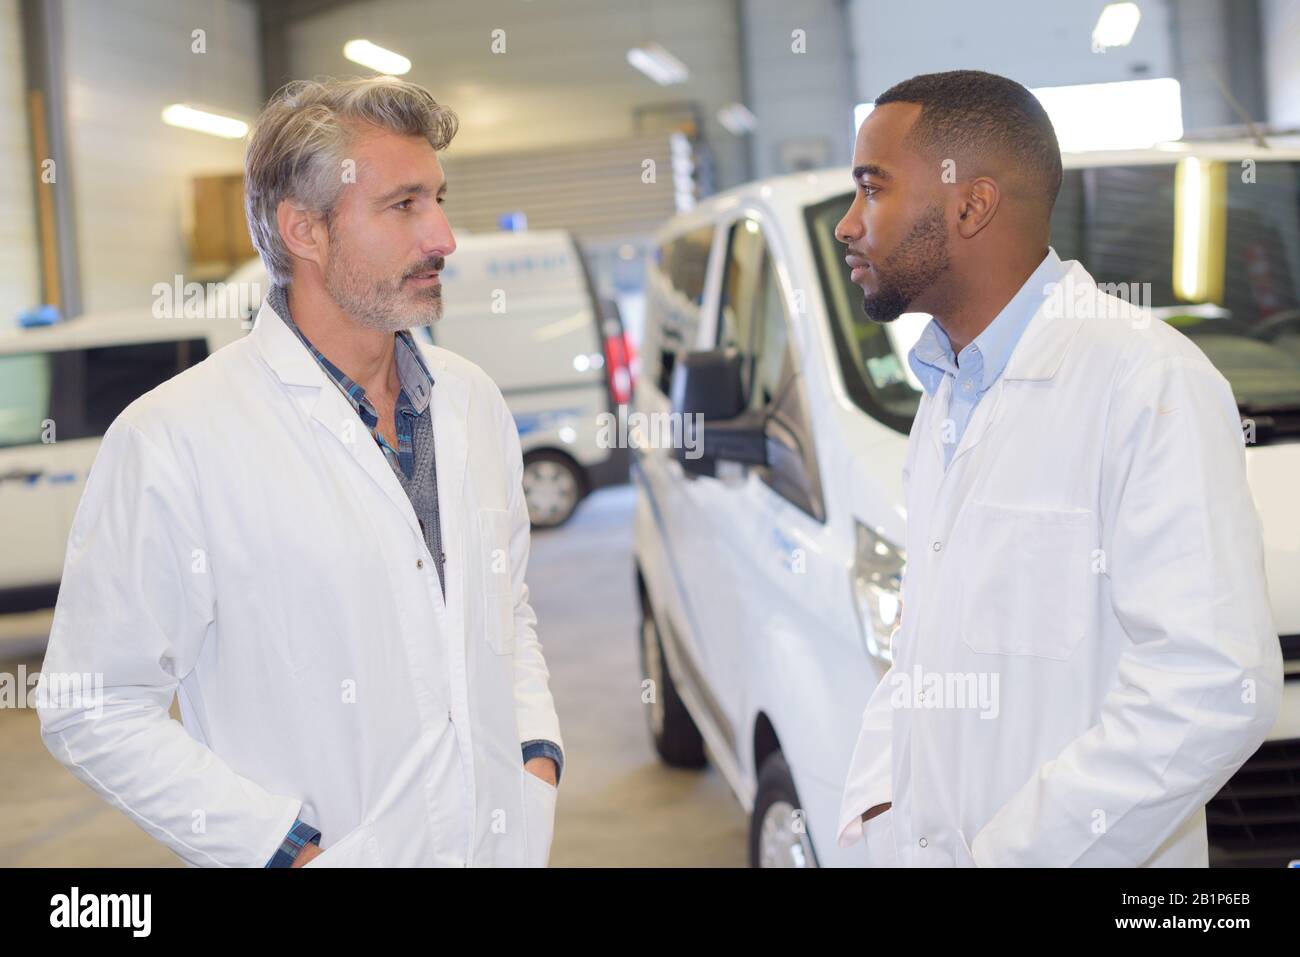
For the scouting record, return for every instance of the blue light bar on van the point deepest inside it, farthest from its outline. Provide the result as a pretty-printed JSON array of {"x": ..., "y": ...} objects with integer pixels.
[
  {"x": 515, "y": 222},
  {"x": 39, "y": 316}
]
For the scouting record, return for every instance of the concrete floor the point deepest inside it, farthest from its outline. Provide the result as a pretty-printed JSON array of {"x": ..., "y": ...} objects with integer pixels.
[{"x": 618, "y": 805}]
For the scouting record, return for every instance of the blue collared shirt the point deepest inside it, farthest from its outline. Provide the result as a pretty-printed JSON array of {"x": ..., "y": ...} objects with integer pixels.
[{"x": 985, "y": 358}]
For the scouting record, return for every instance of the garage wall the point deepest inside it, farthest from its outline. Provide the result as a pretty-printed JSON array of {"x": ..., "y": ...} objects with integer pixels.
[
  {"x": 19, "y": 256},
  {"x": 1032, "y": 42},
  {"x": 563, "y": 78},
  {"x": 126, "y": 60},
  {"x": 803, "y": 100},
  {"x": 1281, "y": 36}
]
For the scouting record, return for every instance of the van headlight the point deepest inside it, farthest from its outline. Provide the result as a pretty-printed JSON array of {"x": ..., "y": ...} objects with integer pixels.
[{"x": 877, "y": 581}]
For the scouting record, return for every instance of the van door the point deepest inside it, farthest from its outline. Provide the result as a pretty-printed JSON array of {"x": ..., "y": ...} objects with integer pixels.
[
  {"x": 766, "y": 522},
  {"x": 678, "y": 284}
]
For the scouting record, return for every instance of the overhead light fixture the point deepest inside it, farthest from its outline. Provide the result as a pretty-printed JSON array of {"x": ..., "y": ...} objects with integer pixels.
[
  {"x": 737, "y": 119},
  {"x": 203, "y": 121},
  {"x": 376, "y": 57},
  {"x": 1116, "y": 25},
  {"x": 658, "y": 64}
]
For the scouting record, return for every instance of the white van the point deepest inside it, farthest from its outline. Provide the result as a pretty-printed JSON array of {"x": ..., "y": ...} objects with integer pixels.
[
  {"x": 768, "y": 573},
  {"x": 61, "y": 386},
  {"x": 522, "y": 306}
]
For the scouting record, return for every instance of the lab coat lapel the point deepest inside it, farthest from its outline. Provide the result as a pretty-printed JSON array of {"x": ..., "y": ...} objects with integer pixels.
[
  {"x": 450, "y": 399},
  {"x": 1036, "y": 357},
  {"x": 981, "y": 422},
  {"x": 333, "y": 411},
  {"x": 312, "y": 389},
  {"x": 936, "y": 422},
  {"x": 450, "y": 406}
]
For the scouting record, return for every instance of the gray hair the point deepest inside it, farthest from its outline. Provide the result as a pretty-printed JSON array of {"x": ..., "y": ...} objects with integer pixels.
[{"x": 300, "y": 140}]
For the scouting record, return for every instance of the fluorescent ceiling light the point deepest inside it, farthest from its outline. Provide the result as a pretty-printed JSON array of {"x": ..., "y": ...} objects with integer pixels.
[
  {"x": 737, "y": 119},
  {"x": 1127, "y": 115},
  {"x": 658, "y": 64},
  {"x": 202, "y": 121},
  {"x": 1116, "y": 25},
  {"x": 376, "y": 57}
]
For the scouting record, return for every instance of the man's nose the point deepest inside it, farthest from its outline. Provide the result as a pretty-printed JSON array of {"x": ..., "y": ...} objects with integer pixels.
[
  {"x": 439, "y": 241},
  {"x": 845, "y": 230},
  {"x": 848, "y": 228}
]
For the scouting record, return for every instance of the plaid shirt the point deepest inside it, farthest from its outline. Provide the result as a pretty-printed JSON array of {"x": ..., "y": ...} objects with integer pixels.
[
  {"x": 412, "y": 402},
  {"x": 412, "y": 398}
]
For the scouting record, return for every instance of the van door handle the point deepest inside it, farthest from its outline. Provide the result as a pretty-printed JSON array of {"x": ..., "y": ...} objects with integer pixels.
[{"x": 21, "y": 475}]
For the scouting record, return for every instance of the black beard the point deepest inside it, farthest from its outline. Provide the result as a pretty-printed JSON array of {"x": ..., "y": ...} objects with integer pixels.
[
  {"x": 885, "y": 305},
  {"x": 911, "y": 269}
]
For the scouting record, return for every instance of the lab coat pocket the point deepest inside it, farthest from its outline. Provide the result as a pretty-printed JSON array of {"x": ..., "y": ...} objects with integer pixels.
[
  {"x": 1028, "y": 584},
  {"x": 878, "y": 835},
  {"x": 357, "y": 848},
  {"x": 498, "y": 603},
  {"x": 539, "y": 819}
]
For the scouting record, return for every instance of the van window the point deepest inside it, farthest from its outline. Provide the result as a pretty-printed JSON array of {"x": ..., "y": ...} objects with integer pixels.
[
  {"x": 24, "y": 398},
  {"x": 752, "y": 319},
  {"x": 110, "y": 378},
  {"x": 1118, "y": 221},
  {"x": 738, "y": 303},
  {"x": 688, "y": 263},
  {"x": 683, "y": 265}
]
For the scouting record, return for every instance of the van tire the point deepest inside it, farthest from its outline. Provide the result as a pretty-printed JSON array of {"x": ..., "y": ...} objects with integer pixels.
[
  {"x": 554, "y": 484},
  {"x": 773, "y": 842},
  {"x": 672, "y": 729}
]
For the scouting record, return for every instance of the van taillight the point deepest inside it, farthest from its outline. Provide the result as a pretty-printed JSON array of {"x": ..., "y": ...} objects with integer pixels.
[{"x": 617, "y": 363}]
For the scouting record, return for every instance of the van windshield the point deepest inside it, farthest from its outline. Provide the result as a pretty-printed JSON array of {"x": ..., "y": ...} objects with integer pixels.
[{"x": 1237, "y": 301}]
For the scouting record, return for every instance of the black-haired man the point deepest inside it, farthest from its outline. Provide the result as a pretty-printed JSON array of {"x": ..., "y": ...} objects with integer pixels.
[{"x": 1086, "y": 654}]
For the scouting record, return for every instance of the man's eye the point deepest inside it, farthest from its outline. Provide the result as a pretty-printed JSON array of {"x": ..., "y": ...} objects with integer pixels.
[
  {"x": 404, "y": 204},
  {"x": 868, "y": 190},
  {"x": 441, "y": 200}
]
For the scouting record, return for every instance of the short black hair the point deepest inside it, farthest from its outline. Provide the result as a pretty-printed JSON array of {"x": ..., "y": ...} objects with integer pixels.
[{"x": 982, "y": 114}]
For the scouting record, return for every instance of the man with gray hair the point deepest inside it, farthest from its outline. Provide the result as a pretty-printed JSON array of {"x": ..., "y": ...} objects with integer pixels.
[{"x": 317, "y": 538}]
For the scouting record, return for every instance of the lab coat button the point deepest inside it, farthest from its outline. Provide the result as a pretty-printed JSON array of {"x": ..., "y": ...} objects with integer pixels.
[
  {"x": 937, "y": 546},
  {"x": 419, "y": 563},
  {"x": 923, "y": 842}
]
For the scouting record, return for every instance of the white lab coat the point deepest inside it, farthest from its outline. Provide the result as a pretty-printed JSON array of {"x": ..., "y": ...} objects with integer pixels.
[
  {"x": 1094, "y": 548},
  {"x": 242, "y": 541}
]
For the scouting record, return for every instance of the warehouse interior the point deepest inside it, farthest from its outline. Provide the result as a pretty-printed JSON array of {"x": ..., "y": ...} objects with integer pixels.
[{"x": 595, "y": 138}]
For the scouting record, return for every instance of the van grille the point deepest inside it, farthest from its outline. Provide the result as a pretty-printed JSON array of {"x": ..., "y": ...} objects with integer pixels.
[{"x": 1254, "y": 821}]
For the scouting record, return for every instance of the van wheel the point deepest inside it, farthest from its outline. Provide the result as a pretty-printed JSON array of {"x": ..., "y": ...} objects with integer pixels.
[
  {"x": 553, "y": 487},
  {"x": 778, "y": 828},
  {"x": 672, "y": 729}
]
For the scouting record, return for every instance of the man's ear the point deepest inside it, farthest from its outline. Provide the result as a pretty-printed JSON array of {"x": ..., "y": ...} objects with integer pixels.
[
  {"x": 303, "y": 232},
  {"x": 979, "y": 202}
]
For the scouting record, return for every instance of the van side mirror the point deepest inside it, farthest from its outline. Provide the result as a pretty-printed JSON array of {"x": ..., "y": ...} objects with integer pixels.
[
  {"x": 709, "y": 384},
  {"x": 709, "y": 398}
]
